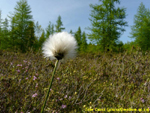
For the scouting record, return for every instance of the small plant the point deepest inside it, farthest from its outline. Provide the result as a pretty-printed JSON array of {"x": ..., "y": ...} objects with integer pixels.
[{"x": 59, "y": 46}]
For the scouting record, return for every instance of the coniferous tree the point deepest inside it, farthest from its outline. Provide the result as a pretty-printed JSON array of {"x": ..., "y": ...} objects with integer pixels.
[
  {"x": 71, "y": 32},
  {"x": 49, "y": 30},
  {"x": 141, "y": 28},
  {"x": 59, "y": 24},
  {"x": 83, "y": 42},
  {"x": 5, "y": 34},
  {"x": 31, "y": 36},
  {"x": 107, "y": 23},
  {"x": 78, "y": 37},
  {"x": 13, "y": 38},
  {"x": 5, "y": 28},
  {"x": 1, "y": 41},
  {"x": 42, "y": 39},
  {"x": 0, "y": 20},
  {"x": 23, "y": 19}
]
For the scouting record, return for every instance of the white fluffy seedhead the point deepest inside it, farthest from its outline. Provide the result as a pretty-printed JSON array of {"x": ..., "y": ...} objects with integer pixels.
[{"x": 60, "y": 46}]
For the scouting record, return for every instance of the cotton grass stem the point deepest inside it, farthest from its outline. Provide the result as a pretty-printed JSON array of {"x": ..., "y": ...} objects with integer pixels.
[
  {"x": 50, "y": 85},
  {"x": 60, "y": 46}
]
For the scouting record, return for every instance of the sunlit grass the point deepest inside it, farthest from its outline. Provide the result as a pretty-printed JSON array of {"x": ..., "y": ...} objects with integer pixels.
[{"x": 88, "y": 81}]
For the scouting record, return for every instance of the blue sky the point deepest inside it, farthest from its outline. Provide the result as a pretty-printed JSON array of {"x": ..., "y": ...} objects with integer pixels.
[{"x": 74, "y": 13}]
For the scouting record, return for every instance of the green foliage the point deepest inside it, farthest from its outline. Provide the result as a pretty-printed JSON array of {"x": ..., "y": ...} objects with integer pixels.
[
  {"x": 1, "y": 39},
  {"x": 71, "y": 32},
  {"x": 13, "y": 35},
  {"x": 92, "y": 48},
  {"x": 96, "y": 81},
  {"x": 49, "y": 30},
  {"x": 42, "y": 39},
  {"x": 5, "y": 35},
  {"x": 130, "y": 45},
  {"x": 81, "y": 40},
  {"x": 78, "y": 37},
  {"x": 141, "y": 28},
  {"x": 5, "y": 26},
  {"x": 30, "y": 34},
  {"x": 107, "y": 23},
  {"x": 24, "y": 27},
  {"x": 59, "y": 24},
  {"x": 107, "y": 26}
]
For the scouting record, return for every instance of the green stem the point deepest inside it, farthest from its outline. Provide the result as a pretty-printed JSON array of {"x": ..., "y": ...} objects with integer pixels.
[{"x": 50, "y": 85}]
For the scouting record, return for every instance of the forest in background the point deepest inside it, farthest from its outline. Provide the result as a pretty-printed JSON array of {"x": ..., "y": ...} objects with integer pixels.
[
  {"x": 20, "y": 33},
  {"x": 93, "y": 80}
]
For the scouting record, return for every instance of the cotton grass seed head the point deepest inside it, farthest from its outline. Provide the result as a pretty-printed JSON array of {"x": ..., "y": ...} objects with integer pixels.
[{"x": 60, "y": 46}]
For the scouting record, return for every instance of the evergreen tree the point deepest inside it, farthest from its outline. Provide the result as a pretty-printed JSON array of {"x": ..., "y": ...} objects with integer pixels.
[
  {"x": 13, "y": 34},
  {"x": 141, "y": 28},
  {"x": 83, "y": 42},
  {"x": 49, "y": 30},
  {"x": 5, "y": 34},
  {"x": 42, "y": 39},
  {"x": 107, "y": 23},
  {"x": 78, "y": 37},
  {"x": 5, "y": 27},
  {"x": 0, "y": 31},
  {"x": 0, "y": 21},
  {"x": 23, "y": 20},
  {"x": 129, "y": 45},
  {"x": 71, "y": 32},
  {"x": 59, "y": 25},
  {"x": 31, "y": 36}
]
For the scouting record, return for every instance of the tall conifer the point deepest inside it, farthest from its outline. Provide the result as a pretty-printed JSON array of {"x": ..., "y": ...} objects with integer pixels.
[
  {"x": 141, "y": 28},
  {"x": 107, "y": 23}
]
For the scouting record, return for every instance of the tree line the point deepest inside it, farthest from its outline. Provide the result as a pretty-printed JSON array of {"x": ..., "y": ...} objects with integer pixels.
[{"x": 21, "y": 33}]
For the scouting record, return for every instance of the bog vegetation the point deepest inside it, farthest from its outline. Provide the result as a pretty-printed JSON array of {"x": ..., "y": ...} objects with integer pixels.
[
  {"x": 88, "y": 81},
  {"x": 106, "y": 73}
]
